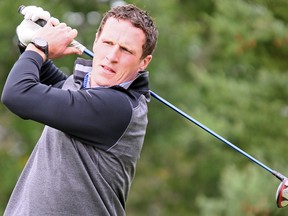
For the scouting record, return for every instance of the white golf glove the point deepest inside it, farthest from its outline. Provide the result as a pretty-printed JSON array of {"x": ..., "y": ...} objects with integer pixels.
[
  {"x": 35, "y": 13},
  {"x": 28, "y": 27}
]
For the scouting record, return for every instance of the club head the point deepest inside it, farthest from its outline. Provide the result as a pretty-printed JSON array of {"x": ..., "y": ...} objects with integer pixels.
[{"x": 282, "y": 194}]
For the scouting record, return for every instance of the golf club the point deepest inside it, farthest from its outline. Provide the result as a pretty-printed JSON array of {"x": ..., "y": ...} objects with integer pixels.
[{"x": 282, "y": 191}]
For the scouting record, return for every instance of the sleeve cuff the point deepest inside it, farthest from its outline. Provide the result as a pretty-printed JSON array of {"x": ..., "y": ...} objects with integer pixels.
[{"x": 29, "y": 54}]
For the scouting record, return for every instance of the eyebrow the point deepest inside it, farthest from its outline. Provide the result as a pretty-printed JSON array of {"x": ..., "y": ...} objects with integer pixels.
[
  {"x": 128, "y": 49},
  {"x": 131, "y": 50}
]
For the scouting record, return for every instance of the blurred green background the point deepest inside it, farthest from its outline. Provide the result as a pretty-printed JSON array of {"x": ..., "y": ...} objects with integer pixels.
[{"x": 223, "y": 62}]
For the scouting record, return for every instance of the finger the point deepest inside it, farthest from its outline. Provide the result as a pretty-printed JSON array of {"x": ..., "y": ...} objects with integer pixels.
[
  {"x": 73, "y": 33},
  {"x": 68, "y": 29},
  {"x": 40, "y": 14},
  {"x": 28, "y": 9},
  {"x": 49, "y": 23},
  {"x": 72, "y": 50},
  {"x": 54, "y": 21},
  {"x": 62, "y": 25},
  {"x": 35, "y": 13}
]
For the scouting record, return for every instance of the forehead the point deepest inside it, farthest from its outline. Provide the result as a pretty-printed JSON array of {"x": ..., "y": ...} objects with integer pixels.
[{"x": 123, "y": 31}]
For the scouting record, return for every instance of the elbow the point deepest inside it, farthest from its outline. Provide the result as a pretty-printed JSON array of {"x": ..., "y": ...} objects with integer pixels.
[
  {"x": 7, "y": 94},
  {"x": 12, "y": 95},
  {"x": 9, "y": 99},
  {"x": 5, "y": 99}
]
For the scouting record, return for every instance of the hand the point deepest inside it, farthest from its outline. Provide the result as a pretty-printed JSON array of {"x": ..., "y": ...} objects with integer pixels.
[
  {"x": 25, "y": 31},
  {"x": 28, "y": 27},
  {"x": 59, "y": 37}
]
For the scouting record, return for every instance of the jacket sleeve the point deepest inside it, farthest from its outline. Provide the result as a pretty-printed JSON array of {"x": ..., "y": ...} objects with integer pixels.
[
  {"x": 51, "y": 75},
  {"x": 92, "y": 116}
]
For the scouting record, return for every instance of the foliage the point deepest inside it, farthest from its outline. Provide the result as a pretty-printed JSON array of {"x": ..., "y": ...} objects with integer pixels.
[
  {"x": 253, "y": 200},
  {"x": 224, "y": 63}
]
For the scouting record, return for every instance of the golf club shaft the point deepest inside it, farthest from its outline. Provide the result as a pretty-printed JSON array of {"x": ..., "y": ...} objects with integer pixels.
[{"x": 275, "y": 173}]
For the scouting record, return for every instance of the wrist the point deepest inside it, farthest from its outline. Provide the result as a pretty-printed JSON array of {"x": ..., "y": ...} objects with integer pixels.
[
  {"x": 32, "y": 47},
  {"x": 40, "y": 46}
]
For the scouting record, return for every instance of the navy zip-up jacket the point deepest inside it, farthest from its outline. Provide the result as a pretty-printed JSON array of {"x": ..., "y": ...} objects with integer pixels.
[{"x": 85, "y": 159}]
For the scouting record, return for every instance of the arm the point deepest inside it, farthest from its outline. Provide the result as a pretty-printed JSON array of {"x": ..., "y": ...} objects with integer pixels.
[
  {"x": 95, "y": 117},
  {"x": 51, "y": 75}
]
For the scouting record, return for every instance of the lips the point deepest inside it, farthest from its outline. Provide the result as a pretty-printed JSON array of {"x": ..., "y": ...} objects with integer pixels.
[{"x": 107, "y": 69}]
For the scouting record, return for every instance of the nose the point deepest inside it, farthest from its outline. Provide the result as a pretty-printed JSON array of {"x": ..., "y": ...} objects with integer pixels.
[{"x": 113, "y": 54}]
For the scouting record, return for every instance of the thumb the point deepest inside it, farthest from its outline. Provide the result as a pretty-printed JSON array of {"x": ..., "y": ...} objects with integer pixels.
[
  {"x": 72, "y": 50},
  {"x": 52, "y": 22}
]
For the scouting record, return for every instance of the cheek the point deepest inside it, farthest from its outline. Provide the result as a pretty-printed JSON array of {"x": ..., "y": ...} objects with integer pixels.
[
  {"x": 94, "y": 47},
  {"x": 130, "y": 70},
  {"x": 98, "y": 55}
]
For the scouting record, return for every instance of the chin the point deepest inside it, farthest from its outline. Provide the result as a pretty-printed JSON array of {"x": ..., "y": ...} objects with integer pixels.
[{"x": 104, "y": 83}]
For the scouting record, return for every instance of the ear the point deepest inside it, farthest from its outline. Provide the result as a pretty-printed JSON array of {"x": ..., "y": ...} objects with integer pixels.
[
  {"x": 96, "y": 37},
  {"x": 95, "y": 40},
  {"x": 145, "y": 62}
]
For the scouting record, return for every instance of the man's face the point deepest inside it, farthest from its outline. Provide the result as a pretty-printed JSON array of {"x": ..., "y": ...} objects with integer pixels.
[{"x": 117, "y": 53}]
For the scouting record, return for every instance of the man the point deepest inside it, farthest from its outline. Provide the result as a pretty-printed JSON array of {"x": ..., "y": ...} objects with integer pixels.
[{"x": 85, "y": 159}]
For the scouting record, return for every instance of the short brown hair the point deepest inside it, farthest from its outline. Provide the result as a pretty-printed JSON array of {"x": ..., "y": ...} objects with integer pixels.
[{"x": 140, "y": 19}]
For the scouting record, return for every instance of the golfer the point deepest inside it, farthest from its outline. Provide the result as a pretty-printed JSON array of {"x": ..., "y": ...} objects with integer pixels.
[{"x": 95, "y": 120}]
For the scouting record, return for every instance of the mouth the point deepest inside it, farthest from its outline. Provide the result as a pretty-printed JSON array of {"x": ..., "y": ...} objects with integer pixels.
[{"x": 107, "y": 69}]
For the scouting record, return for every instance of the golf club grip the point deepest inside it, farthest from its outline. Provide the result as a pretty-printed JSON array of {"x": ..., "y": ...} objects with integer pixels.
[{"x": 42, "y": 22}]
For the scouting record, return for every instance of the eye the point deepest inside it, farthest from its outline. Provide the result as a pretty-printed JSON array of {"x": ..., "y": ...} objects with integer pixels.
[
  {"x": 126, "y": 50},
  {"x": 107, "y": 42}
]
